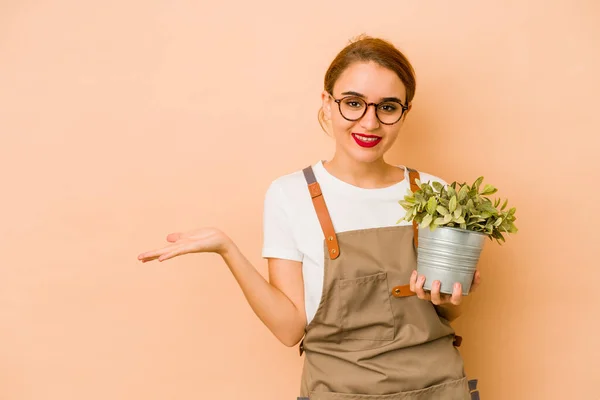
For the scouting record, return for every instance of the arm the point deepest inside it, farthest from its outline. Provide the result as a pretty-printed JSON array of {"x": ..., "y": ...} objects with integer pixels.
[{"x": 279, "y": 303}]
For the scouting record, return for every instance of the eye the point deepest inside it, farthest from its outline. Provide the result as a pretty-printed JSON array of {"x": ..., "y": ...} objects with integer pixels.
[
  {"x": 388, "y": 107},
  {"x": 354, "y": 103}
]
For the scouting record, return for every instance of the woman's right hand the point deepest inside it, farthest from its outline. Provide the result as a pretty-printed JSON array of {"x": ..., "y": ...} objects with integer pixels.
[{"x": 203, "y": 240}]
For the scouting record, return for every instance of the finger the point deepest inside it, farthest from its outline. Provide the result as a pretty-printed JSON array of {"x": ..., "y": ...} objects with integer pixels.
[
  {"x": 170, "y": 255},
  {"x": 419, "y": 288},
  {"x": 181, "y": 249},
  {"x": 435, "y": 293},
  {"x": 456, "y": 298},
  {"x": 157, "y": 252},
  {"x": 413, "y": 281},
  {"x": 148, "y": 259},
  {"x": 476, "y": 281}
]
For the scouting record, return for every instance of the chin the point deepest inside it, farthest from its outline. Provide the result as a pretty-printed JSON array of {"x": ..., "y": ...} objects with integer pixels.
[{"x": 365, "y": 156}]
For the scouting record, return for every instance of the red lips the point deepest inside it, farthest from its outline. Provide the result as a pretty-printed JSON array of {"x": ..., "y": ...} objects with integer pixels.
[{"x": 364, "y": 140}]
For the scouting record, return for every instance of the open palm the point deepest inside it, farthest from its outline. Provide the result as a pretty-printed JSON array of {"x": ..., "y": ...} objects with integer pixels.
[{"x": 203, "y": 240}]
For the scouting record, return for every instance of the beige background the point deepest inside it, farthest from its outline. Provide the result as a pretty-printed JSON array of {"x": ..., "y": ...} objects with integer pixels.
[{"x": 122, "y": 121}]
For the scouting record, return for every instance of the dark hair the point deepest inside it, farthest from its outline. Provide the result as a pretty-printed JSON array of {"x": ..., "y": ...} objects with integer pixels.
[{"x": 365, "y": 49}]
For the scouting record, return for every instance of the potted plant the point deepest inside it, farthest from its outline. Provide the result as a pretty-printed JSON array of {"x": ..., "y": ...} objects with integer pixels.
[{"x": 459, "y": 218}]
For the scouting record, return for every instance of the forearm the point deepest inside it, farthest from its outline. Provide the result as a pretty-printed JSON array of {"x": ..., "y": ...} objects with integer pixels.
[
  {"x": 272, "y": 306},
  {"x": 448, "y": 311}
]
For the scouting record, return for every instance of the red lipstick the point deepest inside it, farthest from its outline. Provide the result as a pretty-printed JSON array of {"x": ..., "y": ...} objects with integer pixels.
[{"x": 364, "y": 140}]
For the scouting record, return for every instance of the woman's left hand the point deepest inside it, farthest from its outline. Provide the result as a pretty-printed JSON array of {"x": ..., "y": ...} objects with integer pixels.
[{"x": 437, "y": 298}]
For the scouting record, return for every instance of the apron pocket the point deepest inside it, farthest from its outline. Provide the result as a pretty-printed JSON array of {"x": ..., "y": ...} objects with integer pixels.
[
  {"x": 452, "y": 390},
  {"x": 365, "y": 309}
]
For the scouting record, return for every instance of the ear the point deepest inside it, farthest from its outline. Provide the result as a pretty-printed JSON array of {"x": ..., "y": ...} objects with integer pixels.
[
  {"x": 407, "y": 110},
  {"x": 327, "y": 100}
]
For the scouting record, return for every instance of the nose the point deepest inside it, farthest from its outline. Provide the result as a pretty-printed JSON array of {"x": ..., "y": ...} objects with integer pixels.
[{"x": 369, "y": 121}]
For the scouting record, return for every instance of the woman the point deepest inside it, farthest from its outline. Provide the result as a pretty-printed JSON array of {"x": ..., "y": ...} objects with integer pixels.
[{"x": 341, "y": 270}]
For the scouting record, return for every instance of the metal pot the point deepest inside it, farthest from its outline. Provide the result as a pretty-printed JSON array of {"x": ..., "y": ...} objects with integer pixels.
[{"x": 449, "y": 255}]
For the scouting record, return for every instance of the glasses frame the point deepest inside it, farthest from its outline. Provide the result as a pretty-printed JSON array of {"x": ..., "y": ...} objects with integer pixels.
[{"x": 376, "y": 105}]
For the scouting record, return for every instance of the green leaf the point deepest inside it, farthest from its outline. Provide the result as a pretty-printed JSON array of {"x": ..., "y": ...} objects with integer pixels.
[
  {"x": 498, "y": 222},
  {"x": 470, "y": 205},
  {"x": 442, "y": 210},
  {"x": 431, "y": 205},
  {"x": 458, "y": 212},
  {"x": 463, "y": 225},
  {"x": 426, "y": 221},
  {"x": 462, "y": 193},
  {"x": 438, "y": 221},
  {"x": 452, "y": 205},
  {"x": 459, "y": 220},
  {"x": 451, "y": 192},
  {"x": 489, "y": 189},
  {"x": 504, "y": 204},
  {"x": 437, "y": 186},
  {"x": 447, "y": 218},
  {"x": 406, "y": 205},
  {"x": 477, "y": 183}
]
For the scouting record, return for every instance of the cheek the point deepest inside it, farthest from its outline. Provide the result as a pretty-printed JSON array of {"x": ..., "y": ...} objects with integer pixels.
[
  {"x": 392, "y": 135},
  {"x": 341, "y": 126}
]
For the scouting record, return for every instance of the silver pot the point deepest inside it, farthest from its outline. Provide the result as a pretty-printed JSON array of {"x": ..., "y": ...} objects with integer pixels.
[{"x": 449, "y": 255}]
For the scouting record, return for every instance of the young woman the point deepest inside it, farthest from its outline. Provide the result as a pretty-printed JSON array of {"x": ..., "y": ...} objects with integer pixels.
[{"x": 342, "y": 275}]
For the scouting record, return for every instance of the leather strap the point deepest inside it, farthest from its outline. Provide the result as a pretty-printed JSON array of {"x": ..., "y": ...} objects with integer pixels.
[
  {"x": 402, "y": 291},
  {"x": 322, "y": 213},
  {"x": 413, "y": 174}
]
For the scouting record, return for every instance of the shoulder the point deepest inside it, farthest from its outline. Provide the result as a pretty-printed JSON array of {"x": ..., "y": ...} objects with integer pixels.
[{"x": 288, "y": 188}]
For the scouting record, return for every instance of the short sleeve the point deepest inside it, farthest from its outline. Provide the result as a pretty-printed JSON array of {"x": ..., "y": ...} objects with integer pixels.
[{"x": 278, "y": 238}]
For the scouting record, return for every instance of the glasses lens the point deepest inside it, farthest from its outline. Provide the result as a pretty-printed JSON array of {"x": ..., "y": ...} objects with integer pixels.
[
  {"x": 389, "y": 112},
  {"x": 352, "y": 108}
]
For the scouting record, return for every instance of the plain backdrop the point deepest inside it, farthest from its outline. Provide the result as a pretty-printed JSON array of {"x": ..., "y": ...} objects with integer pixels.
[{"x": 123, "y": 121}]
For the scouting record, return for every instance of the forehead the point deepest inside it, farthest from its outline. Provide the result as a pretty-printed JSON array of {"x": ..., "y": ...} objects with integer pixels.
[{"x": 370, "y": 79}]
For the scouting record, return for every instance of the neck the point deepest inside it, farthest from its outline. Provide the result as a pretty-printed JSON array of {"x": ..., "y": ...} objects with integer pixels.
[{"x": 365, "y": 175}]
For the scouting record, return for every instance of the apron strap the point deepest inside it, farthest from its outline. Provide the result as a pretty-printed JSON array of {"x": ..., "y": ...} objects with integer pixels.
[
  {"x": 322, "y": 213},
  {"x": 413, "y": 175}
]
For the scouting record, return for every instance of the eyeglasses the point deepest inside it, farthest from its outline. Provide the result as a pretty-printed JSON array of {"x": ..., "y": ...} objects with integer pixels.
[{"x": 353, "y": 108}]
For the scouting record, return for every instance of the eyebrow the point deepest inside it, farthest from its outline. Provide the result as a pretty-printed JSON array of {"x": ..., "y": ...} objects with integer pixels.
[{"x": 352, "y": 93}]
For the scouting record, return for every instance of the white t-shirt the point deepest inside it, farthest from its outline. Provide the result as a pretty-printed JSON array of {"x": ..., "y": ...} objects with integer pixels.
[{"x": 291, "y": 229}]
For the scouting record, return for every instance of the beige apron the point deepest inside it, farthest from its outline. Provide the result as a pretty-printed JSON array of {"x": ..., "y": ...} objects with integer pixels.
[{"x": 371, "y": 338}]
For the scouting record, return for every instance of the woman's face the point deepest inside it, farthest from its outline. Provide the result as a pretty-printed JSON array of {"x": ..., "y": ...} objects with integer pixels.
[{"x": 366, "y": 139}]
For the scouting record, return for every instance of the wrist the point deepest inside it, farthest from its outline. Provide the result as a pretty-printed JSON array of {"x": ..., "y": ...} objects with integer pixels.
[{"x": 227, "y": 248}]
